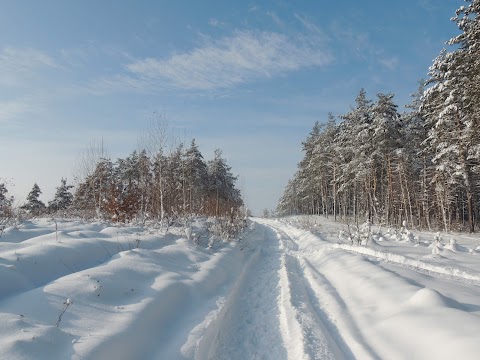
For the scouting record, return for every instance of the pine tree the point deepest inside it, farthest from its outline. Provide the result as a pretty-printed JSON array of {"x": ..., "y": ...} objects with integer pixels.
[
  {"x": 451, "y": 110},
  {"x": 385, "y": 144},
  {"x": 161, "y": 187},
  {"x": 95, "y": 192},
  {"x": 196, "y": 178},
  {"x": 354, "y": 146},
  {"x": 144, "y": 166},
  {"x": 63, "y": 197},
  {"x": 34, "y": 206},
  {"x": 414, "y": 165},
  {"x": 223, "y": 194},
  {"x": 6, "y": 211},
  {"x": 308, "y": 171}
]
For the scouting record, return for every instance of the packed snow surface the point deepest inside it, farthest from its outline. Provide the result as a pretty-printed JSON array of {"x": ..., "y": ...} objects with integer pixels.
[{"x": 98, "y": 291}]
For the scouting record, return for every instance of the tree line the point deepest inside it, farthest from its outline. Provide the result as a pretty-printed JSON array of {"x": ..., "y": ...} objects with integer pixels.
[
  {"x": 161, "y": 186},
  {"x": 421, "y": 166},
  {"x": 157, "y": 186}
]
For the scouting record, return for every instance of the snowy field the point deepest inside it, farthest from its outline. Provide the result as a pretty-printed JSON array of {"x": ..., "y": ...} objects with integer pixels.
[{"x": 96, "y": 291}]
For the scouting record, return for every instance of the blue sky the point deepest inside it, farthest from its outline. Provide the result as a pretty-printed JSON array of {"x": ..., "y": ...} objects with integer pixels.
[{"x": 248, "y": 77}]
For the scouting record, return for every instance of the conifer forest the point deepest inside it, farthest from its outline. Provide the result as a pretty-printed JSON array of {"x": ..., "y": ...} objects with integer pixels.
[{"x": 379, "y": 163}]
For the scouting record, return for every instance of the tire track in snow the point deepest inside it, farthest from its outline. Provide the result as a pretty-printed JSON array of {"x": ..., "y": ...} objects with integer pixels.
[
  {"x": 320, "y": 308},
  {"x": 316, "y": 340},
  {"x": 337, "y": 315},
  {"x": 303, "y": 321},
  {"x": 301, "y": 316},
  {"x": 248, "y": 325}
]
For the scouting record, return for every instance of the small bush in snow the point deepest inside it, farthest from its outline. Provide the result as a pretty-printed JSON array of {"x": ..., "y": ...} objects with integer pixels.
[
  {"x": 436, "y": 249},
  {"x": 379, "y": 236},
  {"x": 66, "y": 304},
  {"x": 188, "y": 232},
  {"x": 406, "y": 234},
  {"x": 366, "y": 233},
  {"x": 359, "y": 235}
]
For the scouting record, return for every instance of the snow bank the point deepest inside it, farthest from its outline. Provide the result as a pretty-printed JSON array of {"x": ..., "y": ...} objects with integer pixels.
[{"x": 414, "y": 263}]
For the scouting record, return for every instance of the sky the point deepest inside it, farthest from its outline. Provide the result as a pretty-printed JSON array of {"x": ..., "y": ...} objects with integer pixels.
[{"x": 249, "y": 77}]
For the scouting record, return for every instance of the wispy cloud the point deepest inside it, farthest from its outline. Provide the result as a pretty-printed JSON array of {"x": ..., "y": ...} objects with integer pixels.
[
  {"x": 13, "y": 109},
  {"x": 428, "y": 5},
  {"x": 230, "y": 61},
  {"x": 353, "y": 41},
  {"x": 310, "y": 26},
  {"x": 360, "y": 45},
  {"x": 25, "y": 58},
  {"x": 16, "y": 64},
  {"x": 215, "y": 22},
  {"x": 390, "y": 63},
  {"x": 105, "y": 85},
  {"x": 275, "y": 18},
  {"x": 10, "y": 109}
]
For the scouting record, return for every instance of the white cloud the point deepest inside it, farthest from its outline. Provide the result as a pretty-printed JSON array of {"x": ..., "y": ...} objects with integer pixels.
[
  {"x": 13, "y": 109},
  {"x": 25, "y": 58},
  {"x": 428, "y": 5},
  {"x": 310, "y": 26},
  {"x": 241, "y": 58},
  {"x": 18, "y": 63},
  {"x": 363, "y": 48},
  {"x": 389, "y": 63},
  {"x": 275, "y": 18},
  {"x": 215, "y": 22}
]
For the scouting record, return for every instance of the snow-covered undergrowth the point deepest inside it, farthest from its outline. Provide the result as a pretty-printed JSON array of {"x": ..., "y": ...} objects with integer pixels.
[{"x": 455, "y": 254}]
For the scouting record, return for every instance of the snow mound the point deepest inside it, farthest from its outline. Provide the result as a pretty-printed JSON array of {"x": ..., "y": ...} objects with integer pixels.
[
  {"x": 453, "y": 246},
  {"x": 436, "y": 249},
  {"x": 14, "y": 234},
  {"x": 120, "y": 231},
  {"x": 11, "y": 231},
  {"x": 427, "y": 298}
]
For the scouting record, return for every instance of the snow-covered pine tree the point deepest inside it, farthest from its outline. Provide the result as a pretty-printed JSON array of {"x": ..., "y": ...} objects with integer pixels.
[
  {"x": 308, "y": 171},
  {"x": 415, "y": 165},
  {"x": 451, "y": 109},
  {"x": 323, "y": 167},
  {"x": 196, "y": 176},
  {"x": 133, "y": 178},
  {"x": 313, "y": 187},
  {"x": 289, "y": 202},
  {"x": 174, "y": 183},
  {"x": 222, "y": 191},
  {"x": 144, "y": 183},
  {"x": 382, "y": 156},
  {"x": 6, "y": 211},
  {"x": 63, "y": 197},
  {"x": 34, "y": 206},
  {"x": 93, "y": 193},
  {"x": 325, "y": 156},
  {"x": 354, "y": 146}
]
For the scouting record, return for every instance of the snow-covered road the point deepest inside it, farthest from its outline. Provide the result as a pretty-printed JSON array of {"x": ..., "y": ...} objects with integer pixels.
[
  {"x": 280, "y": 293},
  {"x": 270, "y": 313}
]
